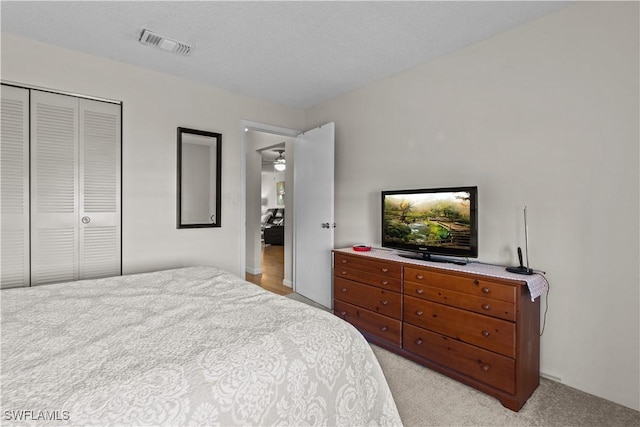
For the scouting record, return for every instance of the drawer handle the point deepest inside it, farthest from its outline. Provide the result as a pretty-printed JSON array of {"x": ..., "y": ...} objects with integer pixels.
[
  {"x": 384, "y": 270},
  {"x": 383, "y": 329},
  {"x": 419, "y": 341},
  {"x": 344, "y": 273},
  {"x": 485, "y": 333},
  {"x": 343, "y": 290},
  {"x": 384, "y": 282},
  {"x": 419, "y": 313},
  {"x": 384, "y": 302},
  {"x": 485, "y": 367},
  {"x": 344, "y": 261},
  {"x": 486, "y": 290},
  {"x": 486, "y": 306},
  {"x": 419, "y": 291},
  {"x": 343, "y": 313},
  {"x": 419, "y": 276}
]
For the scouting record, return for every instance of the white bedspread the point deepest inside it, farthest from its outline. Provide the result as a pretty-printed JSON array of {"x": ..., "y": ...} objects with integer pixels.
[{"x": 192, "y": 346}]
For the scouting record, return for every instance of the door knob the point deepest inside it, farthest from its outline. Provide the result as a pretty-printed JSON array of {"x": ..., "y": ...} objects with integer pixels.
[{"x": 86, "y": 220}]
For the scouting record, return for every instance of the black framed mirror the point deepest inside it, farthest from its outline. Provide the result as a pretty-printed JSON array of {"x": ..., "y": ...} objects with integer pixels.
[{"x": 199, "y": 178}]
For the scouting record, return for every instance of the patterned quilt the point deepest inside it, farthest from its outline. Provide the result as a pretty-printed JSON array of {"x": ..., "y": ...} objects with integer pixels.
[{"x": 188, "y": 347}]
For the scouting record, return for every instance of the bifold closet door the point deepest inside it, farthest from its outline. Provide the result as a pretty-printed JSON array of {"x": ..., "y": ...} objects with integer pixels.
[
  {"x": 75, "y": 188},
  {"x": 100, "y": 174},
  {"x": 14, "y": 187},
  {"x": 54, "y": 187}
]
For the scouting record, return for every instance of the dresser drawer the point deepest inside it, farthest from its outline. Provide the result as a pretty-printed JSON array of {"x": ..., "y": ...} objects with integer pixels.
[
  {"x": 380, "y": 326},
  {"x": 483, "y": 331},
  {"x": 482, "y": 365},
  {"x": 375, "y": 299},
  {"x": 483, "y": 305},
  {"x": 478, "y": 286},
  {"x": 381, "y": 269},
  {"x": 371, "y": 265},
  {"x": 380, "y": 281}
]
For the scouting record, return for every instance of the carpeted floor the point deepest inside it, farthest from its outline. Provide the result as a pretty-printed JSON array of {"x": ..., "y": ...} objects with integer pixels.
[
  {"x": 307, "y": 301},
  {"x": 427, "y": 398}
]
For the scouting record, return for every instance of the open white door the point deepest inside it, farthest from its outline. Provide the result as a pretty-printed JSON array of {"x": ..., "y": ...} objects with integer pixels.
[{"x": 313, "y": 213}]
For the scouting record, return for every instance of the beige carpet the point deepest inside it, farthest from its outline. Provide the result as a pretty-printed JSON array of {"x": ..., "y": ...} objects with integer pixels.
[
  {"x": 307, "y": 301},
  {"x": 426, "y": 398}
]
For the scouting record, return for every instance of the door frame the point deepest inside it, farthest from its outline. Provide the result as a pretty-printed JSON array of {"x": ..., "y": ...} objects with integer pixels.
[{"x": 246, "y": 125}]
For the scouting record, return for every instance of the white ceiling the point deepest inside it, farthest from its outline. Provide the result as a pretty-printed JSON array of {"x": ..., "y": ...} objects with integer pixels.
[{"x": 296, "y": 53}]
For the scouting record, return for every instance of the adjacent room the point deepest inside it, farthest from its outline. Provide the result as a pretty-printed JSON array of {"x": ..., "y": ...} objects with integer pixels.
[
  {"x": 232, "y": 213},
  {"x": 266, "y": 258}
]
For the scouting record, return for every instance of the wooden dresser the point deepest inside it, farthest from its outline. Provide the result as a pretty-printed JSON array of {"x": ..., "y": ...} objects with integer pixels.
[{"x": 477, "y": 328}]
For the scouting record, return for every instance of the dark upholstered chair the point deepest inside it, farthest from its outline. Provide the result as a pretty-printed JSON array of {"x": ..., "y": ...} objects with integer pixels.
[{"x": 272, "y": 225}]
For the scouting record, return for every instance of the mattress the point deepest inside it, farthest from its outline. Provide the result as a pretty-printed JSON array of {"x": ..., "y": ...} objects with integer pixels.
[{"x": 191, "y": 346}]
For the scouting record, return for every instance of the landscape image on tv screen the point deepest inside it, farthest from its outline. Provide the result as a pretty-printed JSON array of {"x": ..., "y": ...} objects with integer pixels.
[{"x": 441, "y": 219}]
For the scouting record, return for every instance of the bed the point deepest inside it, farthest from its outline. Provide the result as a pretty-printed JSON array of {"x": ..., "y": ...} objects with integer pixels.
[{"x": 190, "y": 346}]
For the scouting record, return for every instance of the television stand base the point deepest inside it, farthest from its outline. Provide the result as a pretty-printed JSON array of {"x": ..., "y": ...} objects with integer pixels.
[{"x": 428, "y": 257}]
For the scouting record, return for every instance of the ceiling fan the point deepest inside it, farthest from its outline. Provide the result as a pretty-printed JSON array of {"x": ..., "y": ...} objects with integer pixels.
[{"x": 280, "y": 164}]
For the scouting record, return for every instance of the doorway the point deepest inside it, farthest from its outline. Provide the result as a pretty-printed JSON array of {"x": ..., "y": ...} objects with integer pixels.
[
  {"x": 308, "y": 237},
  {"x": 268, "y": 241},
  {"x": 272, "y": 216}
]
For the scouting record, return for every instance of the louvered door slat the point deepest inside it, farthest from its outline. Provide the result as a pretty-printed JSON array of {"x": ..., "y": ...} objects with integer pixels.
[
  {"x": 101, "y": 145},
  {"x": 54, "y": 181},
  {"x": 14, "y": 251},
  {"x": 99, "y": 189},
  {"x": 101, "y": 252},
  {"x": 14, "y": 187},
  {"x": 55, "y": 155},
  {"x": 54, "y": 253}
]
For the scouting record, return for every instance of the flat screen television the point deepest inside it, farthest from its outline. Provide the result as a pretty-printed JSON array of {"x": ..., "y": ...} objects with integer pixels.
[{"x": 432, "y": 221}]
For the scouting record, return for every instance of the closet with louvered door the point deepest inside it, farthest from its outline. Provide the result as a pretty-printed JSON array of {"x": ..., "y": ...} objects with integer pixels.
[
  {"x": 75, "y": 201},
  {"x": 75, "y": 198},
  {"x": 14, "y": 187}
]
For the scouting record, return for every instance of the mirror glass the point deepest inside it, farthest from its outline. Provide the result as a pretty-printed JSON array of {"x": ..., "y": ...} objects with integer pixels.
[{"x": 199, "y": 154}]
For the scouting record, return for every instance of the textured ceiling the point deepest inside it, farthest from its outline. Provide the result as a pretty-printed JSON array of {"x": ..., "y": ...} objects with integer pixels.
[{"x": 294, "y": 53}]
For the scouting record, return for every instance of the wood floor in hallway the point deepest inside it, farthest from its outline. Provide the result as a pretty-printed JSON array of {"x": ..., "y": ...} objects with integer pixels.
[{"x": 272, "y": 270}]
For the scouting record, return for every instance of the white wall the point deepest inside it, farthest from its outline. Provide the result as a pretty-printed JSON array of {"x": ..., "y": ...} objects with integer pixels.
[
  {"x": 546, "y": 116},
  {"x": 154, "y": 105}
]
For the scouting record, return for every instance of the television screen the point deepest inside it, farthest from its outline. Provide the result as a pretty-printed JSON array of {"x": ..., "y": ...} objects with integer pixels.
[{"x": 438, "y": 221}]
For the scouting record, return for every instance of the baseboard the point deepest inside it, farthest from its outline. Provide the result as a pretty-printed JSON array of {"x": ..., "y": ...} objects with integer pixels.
[
  {"x": 287, "y": 283},
  {"x": 551, "y": 377},
  {"x": 253, "y": 271}
]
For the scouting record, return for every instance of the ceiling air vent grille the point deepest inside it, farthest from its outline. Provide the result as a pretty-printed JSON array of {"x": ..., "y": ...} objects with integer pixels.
[{"x": 165, "y": 43}]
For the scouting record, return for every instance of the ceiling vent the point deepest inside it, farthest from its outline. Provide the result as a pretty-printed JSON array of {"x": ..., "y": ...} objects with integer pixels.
[{"x": 165, "y": 43}]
